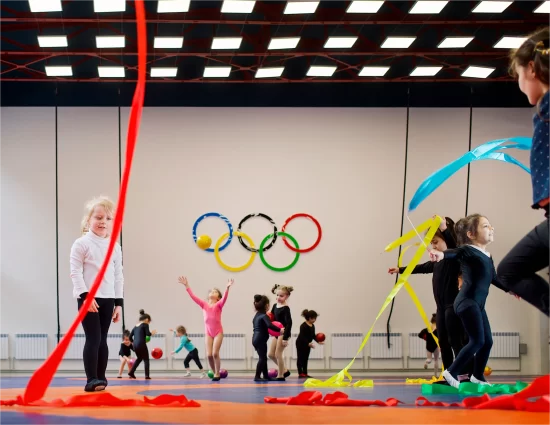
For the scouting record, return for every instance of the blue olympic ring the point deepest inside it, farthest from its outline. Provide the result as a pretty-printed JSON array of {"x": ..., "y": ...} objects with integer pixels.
[{"x": 224, "y": 218}]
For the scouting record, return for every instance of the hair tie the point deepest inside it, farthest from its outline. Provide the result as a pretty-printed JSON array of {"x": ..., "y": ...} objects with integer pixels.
[{"x": 539, "y": 48}]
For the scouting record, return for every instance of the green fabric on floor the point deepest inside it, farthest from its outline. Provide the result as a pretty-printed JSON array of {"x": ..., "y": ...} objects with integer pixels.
[{"x": 467, "y": 388}]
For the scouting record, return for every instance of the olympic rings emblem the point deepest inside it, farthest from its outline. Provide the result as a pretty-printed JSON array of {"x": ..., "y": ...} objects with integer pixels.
[{"x": 248, "y": 243}]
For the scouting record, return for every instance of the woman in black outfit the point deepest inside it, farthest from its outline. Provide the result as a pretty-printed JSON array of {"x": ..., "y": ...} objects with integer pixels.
[
  {"x": 261, "y": 324},
  {"x": 304, "y": 342},
  {"x": 138, "y": 336},
  {"x": 445, "y": 290}
]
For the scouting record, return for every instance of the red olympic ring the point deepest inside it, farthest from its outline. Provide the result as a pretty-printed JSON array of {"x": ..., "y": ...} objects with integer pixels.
[{"x": 319, "y": 231}]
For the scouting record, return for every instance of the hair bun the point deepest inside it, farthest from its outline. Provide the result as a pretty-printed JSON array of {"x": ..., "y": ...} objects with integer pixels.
[
  {"x": 142, "y": 311},
  {"x": 257, "y": 298},
  {"x": 305, "y": 312}
]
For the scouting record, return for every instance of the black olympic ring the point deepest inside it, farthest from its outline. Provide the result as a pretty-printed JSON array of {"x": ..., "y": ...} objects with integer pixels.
[{"x": 245, "y": 246}]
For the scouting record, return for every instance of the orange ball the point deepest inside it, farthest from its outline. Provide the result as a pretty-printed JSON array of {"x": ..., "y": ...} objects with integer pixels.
[{"x": 487, "y": 371}]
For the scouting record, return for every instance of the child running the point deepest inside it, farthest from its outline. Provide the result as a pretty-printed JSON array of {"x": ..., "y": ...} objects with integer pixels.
[
  {"x": 193, "y": 353},
  {"x": 518, "y": 269}
]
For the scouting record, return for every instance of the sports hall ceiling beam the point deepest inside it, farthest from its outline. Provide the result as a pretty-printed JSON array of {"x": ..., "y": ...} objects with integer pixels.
[
  {"x": 155, "y": 20},
  {"x": 494, "y": 54},
  {"x": 270, "y": 81}
]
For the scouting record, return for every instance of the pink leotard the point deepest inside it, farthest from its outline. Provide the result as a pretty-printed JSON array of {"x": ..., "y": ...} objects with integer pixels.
[{"x": 212, "y": 313}]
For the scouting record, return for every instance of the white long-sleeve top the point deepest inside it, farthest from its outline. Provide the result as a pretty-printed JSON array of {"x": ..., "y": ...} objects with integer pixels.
[{"x": 87, "y": 254}]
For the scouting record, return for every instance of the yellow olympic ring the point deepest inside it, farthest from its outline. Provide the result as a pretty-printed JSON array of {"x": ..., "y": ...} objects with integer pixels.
[{"x": 225, "y": 266}]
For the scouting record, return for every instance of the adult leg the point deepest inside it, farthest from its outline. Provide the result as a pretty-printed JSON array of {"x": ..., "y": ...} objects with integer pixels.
[
  {"x": 443, "y": 337},
  {"x": 106, "y": 308},
  {"x": 218, "y": 339},
  {"x": 436, "y": 361},
  {"x": 457, "y": 339},
  {"x": 518, "y": 269}
]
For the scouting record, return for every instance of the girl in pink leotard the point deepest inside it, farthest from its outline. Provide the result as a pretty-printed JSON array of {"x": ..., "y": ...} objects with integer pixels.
[{"x": 212, "y": 310}]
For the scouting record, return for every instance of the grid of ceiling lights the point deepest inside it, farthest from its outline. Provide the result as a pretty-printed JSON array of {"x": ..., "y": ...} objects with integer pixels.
[{"x": 278, "y": 43}]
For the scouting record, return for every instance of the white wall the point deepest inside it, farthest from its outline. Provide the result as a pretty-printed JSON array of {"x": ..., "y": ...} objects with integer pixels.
[
  {"x": 88, "y": 166},
  {"x": 343, "y": 166}
]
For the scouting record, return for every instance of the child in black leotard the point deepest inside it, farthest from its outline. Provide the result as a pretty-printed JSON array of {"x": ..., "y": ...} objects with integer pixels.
[
  {"x": 281, "y": 314},
  {"x": 474, "y": 233},
  {"x": 432, "y": 350},
  {"x": 261, "y": 324},
  {"x": 138, "y": 336},
  {"x": 125, "y": 353},
  {"x": 304, "y": 342},
  {"x": 445, "y": 290}
]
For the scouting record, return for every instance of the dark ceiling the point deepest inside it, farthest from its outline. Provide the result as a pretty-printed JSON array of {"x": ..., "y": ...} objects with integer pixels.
[{"x": 24, "y": 82}]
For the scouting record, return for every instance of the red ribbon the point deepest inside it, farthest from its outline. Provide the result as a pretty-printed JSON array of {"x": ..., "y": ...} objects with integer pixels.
[
  {"x": 315, "y": 398},
  {"x": 41, "y": 379},
  {"x": 539, "y": 390},
  {"x": 106, "y": 399}
]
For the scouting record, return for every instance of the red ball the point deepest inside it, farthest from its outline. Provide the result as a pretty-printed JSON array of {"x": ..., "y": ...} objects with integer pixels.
[
  {"x": 156, "y": 353},
  {"x": 271, "y": 316},
  {"x": 320, "y": 337}
]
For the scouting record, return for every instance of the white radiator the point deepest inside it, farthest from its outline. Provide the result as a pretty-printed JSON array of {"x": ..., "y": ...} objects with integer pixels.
[
  {"x": 317, "y": 353},
  {"x": 345, "y": 345},
  {"x": 233, "y": 347},
  {"x": 76, "y": 347},
  {"x": 378, "y": 344},
  {"x": 417, "y": 346},
  {"x": 197, "y": 340},
  {"x": 4, "y": 347},
  {"x": 505, "y": 345},
  {"x": 31, "y": 346}
]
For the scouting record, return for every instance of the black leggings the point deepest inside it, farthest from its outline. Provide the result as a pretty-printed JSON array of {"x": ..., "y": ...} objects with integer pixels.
[
  {"x": 142, "y": 354},
  {"x": 302, "y": 354},
  {"x": 260, "y": 345},
  {"x": 96, "y": 327},
  {"x": 518, "y": 270},
  {"x": 451, "y": 337},
  {"x": 477, "y": 326},
  {"x": 192, "y": 355}
]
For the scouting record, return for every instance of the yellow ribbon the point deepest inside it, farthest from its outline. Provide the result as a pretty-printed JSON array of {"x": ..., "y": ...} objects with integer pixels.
[
  {"x": 427, "y": 322},
  {"x": 339, "y": 380}
]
